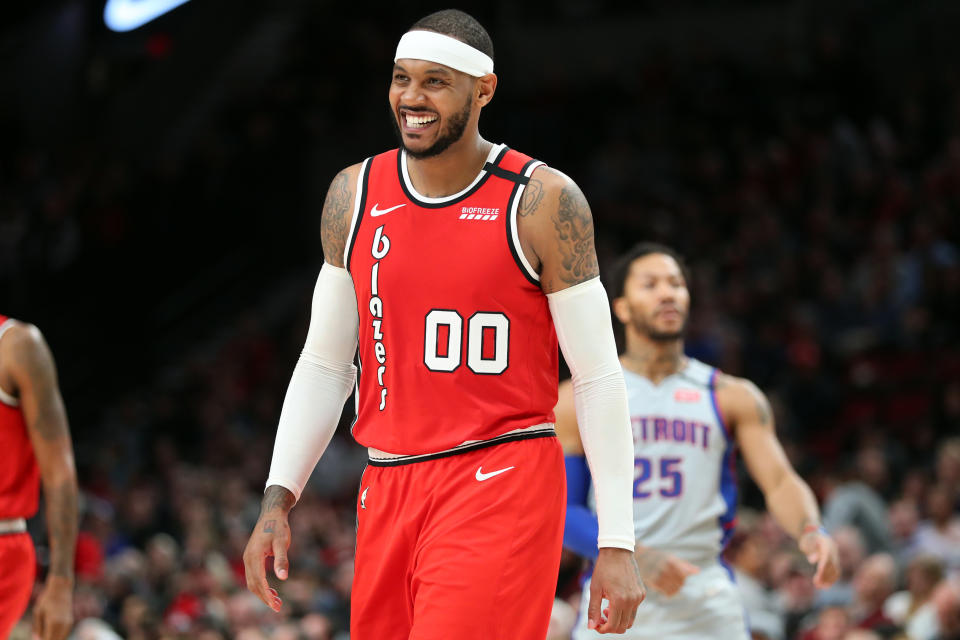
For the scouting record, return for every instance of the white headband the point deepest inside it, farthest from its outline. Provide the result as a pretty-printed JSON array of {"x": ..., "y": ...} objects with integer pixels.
[{"x": 436, "y": 47}]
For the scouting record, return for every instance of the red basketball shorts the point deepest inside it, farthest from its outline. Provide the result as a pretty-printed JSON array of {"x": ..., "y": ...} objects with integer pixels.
[
  {"x": 18, "y": 566},
  {"x": 463, "y": 547}
]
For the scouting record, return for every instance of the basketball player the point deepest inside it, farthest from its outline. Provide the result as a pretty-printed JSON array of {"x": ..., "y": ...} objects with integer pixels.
[
  {"x": 451, "y": 261},
  {"x": 687, "y": 418},
  {"x": 35, "y": 445}
]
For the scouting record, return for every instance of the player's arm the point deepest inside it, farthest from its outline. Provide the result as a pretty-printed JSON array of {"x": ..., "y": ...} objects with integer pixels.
[
  {"x": 34, "y": 375},
  {"x": 662, "y": 571},
  {"x": 320, "y": 384},
  {"x": 580, "y": 529},
  {"x": 556, "y": 234},
  {"x": 788, "y": 497}
]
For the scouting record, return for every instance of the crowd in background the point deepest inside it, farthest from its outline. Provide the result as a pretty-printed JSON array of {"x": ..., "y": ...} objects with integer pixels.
[{"x": 817, "y": 202}]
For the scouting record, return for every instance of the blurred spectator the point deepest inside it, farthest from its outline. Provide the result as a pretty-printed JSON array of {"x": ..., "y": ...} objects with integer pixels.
[
  {"x": 832, "y": 624},
  {"x": 850, "y": 553},
  {"x": 904, "y": 519},
  {"x": 858, "y": 503},
  {"x": 948, "y": 467},
  {"x": 946, "y": 601},
  {"x": 750, "y": 555},
  {"x": 873, "y": 583},
  {"x": 912, "y": 608},
  {"x": 939, "y": 534}
]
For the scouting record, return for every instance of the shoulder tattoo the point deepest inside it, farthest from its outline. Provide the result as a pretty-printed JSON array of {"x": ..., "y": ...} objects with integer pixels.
[
  {"x": 335, "y": 219},
  {"x": 531, "y": 198},
  {"x": 574, "y": 225}
]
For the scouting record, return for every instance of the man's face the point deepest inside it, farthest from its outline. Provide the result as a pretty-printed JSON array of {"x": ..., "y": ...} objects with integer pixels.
[
  {"x": 432, "y": 106},
  {"x": 655, "y": 300}
]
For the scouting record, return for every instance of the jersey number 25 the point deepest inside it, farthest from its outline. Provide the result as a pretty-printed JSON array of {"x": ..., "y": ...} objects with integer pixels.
[{"x": 671, "y": 485}]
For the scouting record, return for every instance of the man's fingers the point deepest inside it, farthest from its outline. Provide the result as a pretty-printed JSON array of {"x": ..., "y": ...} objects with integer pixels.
[
  {"x": 616, "y": 618},
  {"x": 40, "y": 621},
  {"x": 826, "y": 568},
  {"x": 593, "y": 609},
  {"x": 257, "y": 574},
  {"x": 687, "y": 568},
  {"x": 58, "y": 630},
  {"x": 281, "y": 566},
  {"x": 670, "y": 587},
  {"x": 821, "y": 568},
  {"x": 275, "y": 598}
]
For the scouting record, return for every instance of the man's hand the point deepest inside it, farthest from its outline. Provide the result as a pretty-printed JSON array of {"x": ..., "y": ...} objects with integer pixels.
[
  {"x": 821, "y": 551},
  {"x": 662, "y": 571},
  {"x": 616, "y": 578},
  {"x": 53, "y": 611},
  {"x": 270, "y": 537}
]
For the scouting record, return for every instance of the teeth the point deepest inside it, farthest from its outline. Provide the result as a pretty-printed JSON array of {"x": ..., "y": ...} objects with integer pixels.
[{"x": 419, "y": 121}]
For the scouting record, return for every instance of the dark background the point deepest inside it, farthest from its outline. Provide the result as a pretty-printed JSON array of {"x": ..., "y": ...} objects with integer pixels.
[{"x": 160, "y": 194}]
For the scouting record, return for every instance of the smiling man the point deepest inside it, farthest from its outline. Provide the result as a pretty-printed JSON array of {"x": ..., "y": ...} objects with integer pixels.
[{"x": 456, "y": 265}]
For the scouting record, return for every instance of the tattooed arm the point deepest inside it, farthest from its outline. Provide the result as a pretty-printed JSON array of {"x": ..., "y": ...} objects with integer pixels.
[
  {"x": 556, "y": 230},
  {"x": 320, "y": 382},
  {"x": 556, "y": 235},
  {"x": 31, "y": 370},
  {"x": 747, "y": 413},
  {"x": 337, "y": 213}
]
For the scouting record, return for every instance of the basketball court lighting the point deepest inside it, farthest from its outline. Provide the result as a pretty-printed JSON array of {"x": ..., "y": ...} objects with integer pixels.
[{"x": 127, "y": 15}]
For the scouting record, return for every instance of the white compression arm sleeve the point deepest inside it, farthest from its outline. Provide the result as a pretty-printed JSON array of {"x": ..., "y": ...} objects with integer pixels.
[
  {"x": 582, "y": 319},
  {"x": 321, "y": 382}
]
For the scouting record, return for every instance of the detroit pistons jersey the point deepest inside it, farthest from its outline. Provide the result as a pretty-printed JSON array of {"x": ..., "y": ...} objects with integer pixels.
[
  {"x": 19, "y": 474},
  {"x": 457, "y": 348},
  {"x": 684, "y": 488}
]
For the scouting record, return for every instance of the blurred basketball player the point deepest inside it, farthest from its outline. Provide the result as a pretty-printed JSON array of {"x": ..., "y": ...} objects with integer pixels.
[
  {"x": 687, "y": 419},
  {"x": 456, "y": 264},
  {"x": 35, "y": 445}
]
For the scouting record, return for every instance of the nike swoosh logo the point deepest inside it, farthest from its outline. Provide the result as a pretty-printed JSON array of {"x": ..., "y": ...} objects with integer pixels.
[
  {"x": 379, "y": 212},
  {"x": 126, "y": 15},
  {"x": 481, "y": 476}
]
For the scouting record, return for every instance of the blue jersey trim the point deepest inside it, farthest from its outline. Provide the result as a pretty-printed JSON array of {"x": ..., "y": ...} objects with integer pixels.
[
  {"x": 581, "y": 528},
  {"x": 728, "y": 474},
  {"x": 716, "y": 407}
]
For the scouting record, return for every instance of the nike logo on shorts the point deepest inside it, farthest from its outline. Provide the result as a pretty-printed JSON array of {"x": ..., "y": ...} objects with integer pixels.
[
  {"x": 481, "y": 476},
  {"x": 379, "y": 212}
]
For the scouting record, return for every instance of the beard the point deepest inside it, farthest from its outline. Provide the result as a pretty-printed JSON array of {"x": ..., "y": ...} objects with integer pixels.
[
  {"x": 452, "y": 132},
  {"x": 657, "y": 335}
]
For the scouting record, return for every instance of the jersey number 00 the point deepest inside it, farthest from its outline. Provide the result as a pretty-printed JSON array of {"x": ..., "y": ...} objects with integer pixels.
[{"x": 444, "y": 353}]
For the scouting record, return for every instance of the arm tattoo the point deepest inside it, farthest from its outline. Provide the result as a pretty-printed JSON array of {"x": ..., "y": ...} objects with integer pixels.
[
  {"x": 269, "y": 526},
  {"x": 62, "y": 527},
  {"x": 276, "y": 497},
  {"x": 763, "y": 411},
  {"x": 531, "y": 198},
  {"x": 335, "y": 219},
  {"x": 574, "y": 225}
]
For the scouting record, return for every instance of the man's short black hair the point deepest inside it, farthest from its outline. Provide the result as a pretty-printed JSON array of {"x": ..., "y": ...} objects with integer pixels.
[
  {"x": 621, "y": 268},
  {"x": 459, "y": 25}
]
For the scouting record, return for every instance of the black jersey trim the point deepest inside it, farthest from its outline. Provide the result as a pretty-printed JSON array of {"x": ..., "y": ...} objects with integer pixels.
[
  {"x": 511, "y": 223},
  {"x": 446, "y": 203},
  {"x": 510, "y": 176},
  {"x": 358, "y": 218},
  {"x": 464, "y": 448},
  {"x": 356, "y": 390}
]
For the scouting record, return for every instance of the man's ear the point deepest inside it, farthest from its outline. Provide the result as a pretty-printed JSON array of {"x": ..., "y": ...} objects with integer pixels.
[
  {"x": 485, "y": 87},
  {"x": 621, "y": 309}
]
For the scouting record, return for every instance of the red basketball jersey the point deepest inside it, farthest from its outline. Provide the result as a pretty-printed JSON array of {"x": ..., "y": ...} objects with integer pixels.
[
  {"x": 19, "y": 474},
  {"x": 457, "y": 344}
]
